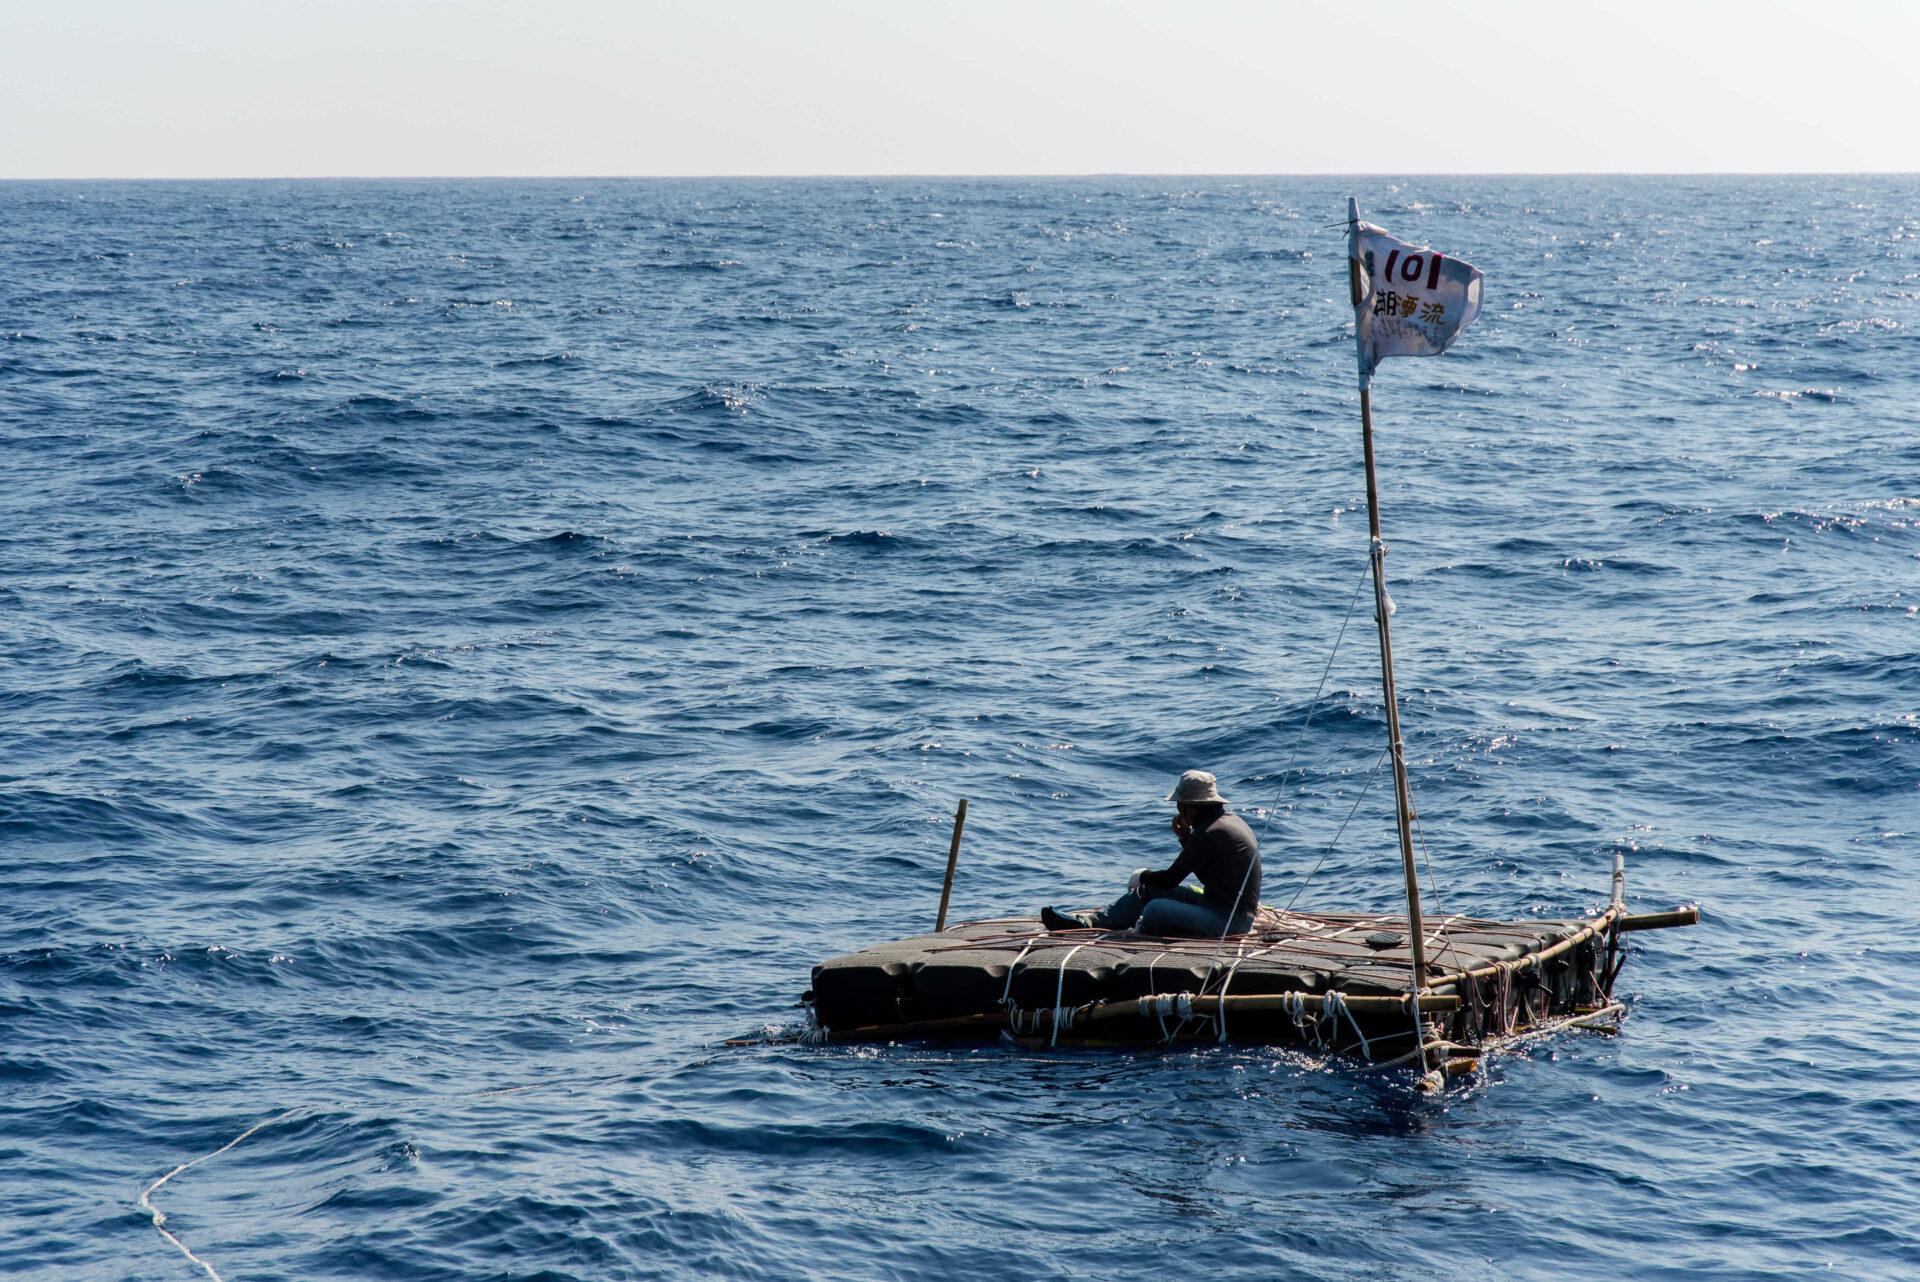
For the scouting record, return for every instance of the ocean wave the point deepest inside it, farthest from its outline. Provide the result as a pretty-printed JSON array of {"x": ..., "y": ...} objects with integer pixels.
[{"x": 454, "y": 720}]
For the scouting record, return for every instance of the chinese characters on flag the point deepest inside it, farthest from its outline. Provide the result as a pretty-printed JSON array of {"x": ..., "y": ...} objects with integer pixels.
[{"x": 1413, "y": 302}]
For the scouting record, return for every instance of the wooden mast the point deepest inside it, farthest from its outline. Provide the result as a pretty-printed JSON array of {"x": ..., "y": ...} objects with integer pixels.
[{"x": 1402, "y": 798}]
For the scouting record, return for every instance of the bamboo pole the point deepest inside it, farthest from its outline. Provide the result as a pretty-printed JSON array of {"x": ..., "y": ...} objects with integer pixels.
[
  {"x": 1251, "y": 1004},
  {"x": 1547, "y": 954},
  {"x": 1402, "y": 796},
  {"x": 1661, "y": 921},
  {"x": 953, "y": 860},
  {"x": 991, "y": 1021},
  {"x": 1646, "y": 921}
]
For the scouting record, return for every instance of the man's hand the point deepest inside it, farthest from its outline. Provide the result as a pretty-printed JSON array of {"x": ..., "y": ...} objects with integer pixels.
[{"x": 1182, "y": 826}]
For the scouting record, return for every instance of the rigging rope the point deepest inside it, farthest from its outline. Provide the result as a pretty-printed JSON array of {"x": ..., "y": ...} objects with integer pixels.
[
  {"x": 1153, "y": 989},
  {"x": 1371, "y": 775},
  {"x": 1333, "y": 999},
  {"x": 1313, "y": 705},
  {"x": 1440, "y": 931}
]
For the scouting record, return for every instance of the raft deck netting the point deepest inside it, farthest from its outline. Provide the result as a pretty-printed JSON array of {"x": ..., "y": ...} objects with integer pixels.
[{"x": 1485, "y": 979}]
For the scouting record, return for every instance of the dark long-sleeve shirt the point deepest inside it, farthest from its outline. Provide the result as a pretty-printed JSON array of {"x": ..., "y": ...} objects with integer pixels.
[{"x": 1224, "y": 856}]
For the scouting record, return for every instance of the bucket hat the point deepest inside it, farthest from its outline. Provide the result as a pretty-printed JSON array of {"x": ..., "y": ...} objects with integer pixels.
[{"x": 1196, "y": 787}]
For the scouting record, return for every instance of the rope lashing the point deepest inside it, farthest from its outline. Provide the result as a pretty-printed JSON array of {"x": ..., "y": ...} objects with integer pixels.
[
  {"x": 1419, "y": 1028},
  {"x": 1335, "y": 1006},
  {"x": 1006, "y": 994},
  {"x": 1059, "y": 993},
  {"x": 1241, "y": 955},
  {"x": 1153, "y": 987},
  {"x": 1164, "y": 1004},
  {"x": 1303, "y": 1024}
]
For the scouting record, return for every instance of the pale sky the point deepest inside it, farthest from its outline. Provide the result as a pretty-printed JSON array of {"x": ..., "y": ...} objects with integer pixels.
[{"x": 245, "y": 88}]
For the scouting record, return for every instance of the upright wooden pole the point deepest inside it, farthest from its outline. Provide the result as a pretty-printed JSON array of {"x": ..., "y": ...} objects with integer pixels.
[
  {"x": 1402, "y": 797},
  {"x": 953, "y": 860}
]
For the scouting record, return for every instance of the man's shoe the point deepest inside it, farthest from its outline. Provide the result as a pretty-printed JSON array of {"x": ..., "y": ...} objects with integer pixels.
[{"x": 1052, "y": 919}]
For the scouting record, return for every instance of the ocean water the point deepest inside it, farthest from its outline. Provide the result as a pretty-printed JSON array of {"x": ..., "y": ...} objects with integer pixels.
[{"x": 468, "y": 648}]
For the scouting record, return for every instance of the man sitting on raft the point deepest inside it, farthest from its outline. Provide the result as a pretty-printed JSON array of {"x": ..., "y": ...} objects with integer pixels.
[{"x": 1216, "y": 847}]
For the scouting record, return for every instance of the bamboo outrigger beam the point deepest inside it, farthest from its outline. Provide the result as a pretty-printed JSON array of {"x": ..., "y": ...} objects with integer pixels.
[{"x": 1661, "y": 921}]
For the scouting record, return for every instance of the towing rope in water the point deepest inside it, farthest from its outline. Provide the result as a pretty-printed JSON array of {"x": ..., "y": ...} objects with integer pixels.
[
  {"x": 160, "y": 1217},
  {"x": 145, "y": 1200}
]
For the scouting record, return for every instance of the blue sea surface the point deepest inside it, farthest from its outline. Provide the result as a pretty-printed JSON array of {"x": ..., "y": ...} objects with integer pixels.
[{"x": 467, "y": 649}]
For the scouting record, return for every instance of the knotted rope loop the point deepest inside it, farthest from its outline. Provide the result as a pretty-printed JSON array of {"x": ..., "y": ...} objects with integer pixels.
[
  {"x": 1305, "y": 1022},
  {"x": 1335, "y": 1006}
]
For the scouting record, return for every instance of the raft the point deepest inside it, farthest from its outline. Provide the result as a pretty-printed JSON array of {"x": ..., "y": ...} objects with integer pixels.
[
  {"x": 1386, "y": 988},
  {"x": 1326, "y": 982}
]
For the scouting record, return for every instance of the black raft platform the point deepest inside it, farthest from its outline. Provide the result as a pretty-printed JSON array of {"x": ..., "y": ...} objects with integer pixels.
[{"x": 1322, "y": 981}]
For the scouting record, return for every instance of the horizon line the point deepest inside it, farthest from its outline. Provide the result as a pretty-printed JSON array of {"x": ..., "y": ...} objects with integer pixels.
[{"x": 973, "y": 176}]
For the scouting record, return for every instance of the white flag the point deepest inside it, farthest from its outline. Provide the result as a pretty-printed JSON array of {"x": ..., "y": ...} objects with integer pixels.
[{"x": 1413, "y": 302}]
